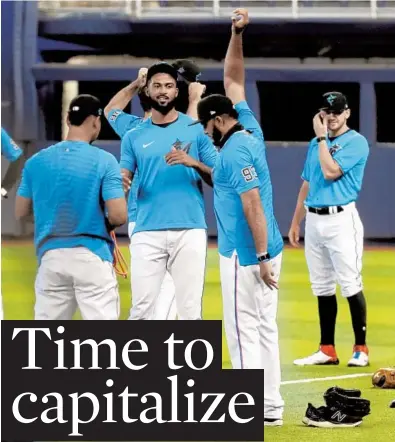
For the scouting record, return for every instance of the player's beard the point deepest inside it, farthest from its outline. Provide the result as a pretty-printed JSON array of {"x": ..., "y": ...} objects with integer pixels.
[
  {"x": 163, "y": 109},
  {"x": 217, "y": 137}
]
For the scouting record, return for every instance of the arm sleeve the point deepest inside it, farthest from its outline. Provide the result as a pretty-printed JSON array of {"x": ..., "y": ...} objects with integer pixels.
[
  {"x": 112, "y": 180},
  {"x": 25, "y": 188},
  {"x": 207, "y": 152},
  {"x": 306, "y": 168},
  {"x": 121, "y": 122},
  {"x": 9, "y": 148},
  {"x": 239, "y": 167},
  {"x": 356, "y": 150},
  {"x": 248, "y": 120},
  {"x": 128, "y": 158}
]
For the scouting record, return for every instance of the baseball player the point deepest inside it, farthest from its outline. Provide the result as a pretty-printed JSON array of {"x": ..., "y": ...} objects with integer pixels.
[
  {"x": 171, "y": 231},
  {"x": 121, "y": 122},
  {"x": 76, "y": 193},
  {"x": 14, "y": 154},
  {"x": 332, "y": 179},
  {"x": 249, "y": 241}
]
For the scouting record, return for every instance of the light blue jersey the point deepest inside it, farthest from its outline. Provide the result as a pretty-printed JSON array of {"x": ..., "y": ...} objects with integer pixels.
[
  {"x": 122, "y": 122},
  {"x": 169, "y": 197},
  {"x": 8, "y": 147},
  {"x": 68, "y": 184},
  {"x": 350, "y": 150},
  {"x": 240, "y": 167}
]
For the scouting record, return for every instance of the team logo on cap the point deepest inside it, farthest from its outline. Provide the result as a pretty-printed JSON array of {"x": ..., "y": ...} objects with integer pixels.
[{"x": 330, "y": 99}]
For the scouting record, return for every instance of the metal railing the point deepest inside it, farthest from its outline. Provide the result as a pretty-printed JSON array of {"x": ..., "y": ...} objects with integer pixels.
[{"x": 195, "y": 9}]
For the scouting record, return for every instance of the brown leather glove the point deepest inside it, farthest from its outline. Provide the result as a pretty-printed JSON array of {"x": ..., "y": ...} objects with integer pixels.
[{"x": 384, "y": 378}]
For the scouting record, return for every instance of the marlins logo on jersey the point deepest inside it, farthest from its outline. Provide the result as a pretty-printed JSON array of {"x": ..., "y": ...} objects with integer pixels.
[
  {"x": 179, "y": 146},
  {"x": 334, "y": 149}
]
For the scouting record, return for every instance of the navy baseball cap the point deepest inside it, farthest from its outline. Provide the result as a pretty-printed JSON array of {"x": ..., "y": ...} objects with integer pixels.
[
  {"x": 162, "y": 68},
  {"x": 187, "y": 70},
  {"x": 213, "y": 106},
  {"x": 82, "y": 106},
  {"x": 334, "y": 102}
]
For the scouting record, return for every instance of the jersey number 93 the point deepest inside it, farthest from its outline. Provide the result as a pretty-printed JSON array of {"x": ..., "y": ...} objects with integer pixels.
[{"x": 249, "y": 173}]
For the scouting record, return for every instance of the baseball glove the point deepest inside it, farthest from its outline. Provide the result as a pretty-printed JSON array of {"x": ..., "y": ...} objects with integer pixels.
[
  {"x": 384, "y": 378},
  {"x": 350, "y": 392},
  {"x": 351, "y": 405}
]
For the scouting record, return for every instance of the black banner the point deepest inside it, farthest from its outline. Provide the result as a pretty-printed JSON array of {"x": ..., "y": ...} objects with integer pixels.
[{"x": 125, "y": 381}]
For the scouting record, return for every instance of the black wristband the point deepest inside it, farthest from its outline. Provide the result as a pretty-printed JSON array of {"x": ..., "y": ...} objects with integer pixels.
[
  {"x": 319, "y": 139},
  {"x": 239, "y": 30},
  {"x": 263, "y": 257}
]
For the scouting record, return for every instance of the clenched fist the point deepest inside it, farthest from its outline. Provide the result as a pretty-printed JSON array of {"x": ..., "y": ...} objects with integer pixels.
[
  {"x": 196, "y": 90},
  {"x": 142, "y": 77},
  {"x": 239, "y": 20}
]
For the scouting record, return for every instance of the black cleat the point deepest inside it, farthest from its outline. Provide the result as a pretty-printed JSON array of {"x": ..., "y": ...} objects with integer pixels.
[
  {"x": 392, "y": 404},
  {"x": 325, "y": 417}
]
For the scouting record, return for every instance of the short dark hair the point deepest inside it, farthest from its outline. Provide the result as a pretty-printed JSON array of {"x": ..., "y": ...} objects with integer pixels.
[
  {"x": 162, "y": 68},
  {"x": 83, "y": 106}
]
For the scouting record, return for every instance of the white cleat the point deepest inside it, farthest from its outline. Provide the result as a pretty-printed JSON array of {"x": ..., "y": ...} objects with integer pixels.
[
  {"x": 359, "y": 358},
  {"x": 269, "y": 422},
  {"x": 317, "y": 358}
]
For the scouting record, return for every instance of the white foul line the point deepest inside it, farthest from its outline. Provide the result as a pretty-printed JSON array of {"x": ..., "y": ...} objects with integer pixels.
[{"x": 328, "y": 378}]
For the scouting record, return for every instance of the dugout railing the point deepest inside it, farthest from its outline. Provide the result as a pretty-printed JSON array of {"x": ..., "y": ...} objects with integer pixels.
[{"x": 194, "y": 9}]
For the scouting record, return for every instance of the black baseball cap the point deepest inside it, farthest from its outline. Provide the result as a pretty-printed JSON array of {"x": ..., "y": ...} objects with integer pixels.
[
  {"x": 82, "y": 106},
  {"x": 213, "y": 106},
  {"x": 187, "y": 70},
  {"x": 334, "y": 102},
  {"x": 162, "y": 68}
]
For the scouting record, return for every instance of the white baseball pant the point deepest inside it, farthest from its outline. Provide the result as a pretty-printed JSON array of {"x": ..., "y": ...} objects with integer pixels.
[
  {"x": 180, "y": 252},
  {"x": 250, "y": 320},
  {"x": 334, "y": 249},
  {"x": 76, "y": 277},
  {"x": 165, "y": 305}
]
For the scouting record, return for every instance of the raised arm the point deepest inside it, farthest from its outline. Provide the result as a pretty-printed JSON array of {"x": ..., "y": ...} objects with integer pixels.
[
  {"x": 195, "y": 90},
  {"x": 123, "y": 97},
  {"x": 234, "y": 73}
]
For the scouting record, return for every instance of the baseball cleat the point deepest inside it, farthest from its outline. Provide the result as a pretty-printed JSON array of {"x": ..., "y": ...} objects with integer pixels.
[
  {"x": 325, "y": 417},
  {"x": 360, "y": 356},
  {"x": 392, "y": 404},
  {"x": 270, "y": 422},
  {"x": 326, "y": 355}
]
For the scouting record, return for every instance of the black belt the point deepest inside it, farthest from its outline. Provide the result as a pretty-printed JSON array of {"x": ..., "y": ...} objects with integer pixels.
[{"x": 325, "y": 210}]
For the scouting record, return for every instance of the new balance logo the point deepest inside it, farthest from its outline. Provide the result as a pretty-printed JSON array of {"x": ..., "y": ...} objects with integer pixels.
[{"x": 338, "y": 416}]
